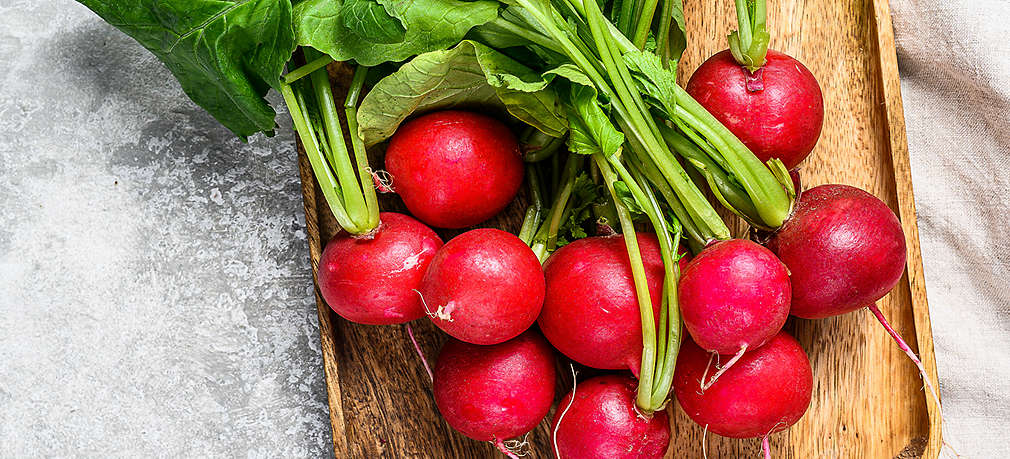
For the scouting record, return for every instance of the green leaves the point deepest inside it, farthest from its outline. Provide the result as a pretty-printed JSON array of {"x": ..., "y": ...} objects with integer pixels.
[
  {"x": 469, "y": 74},
  {"x": 591, "y": 128},
  {"x": 226, "y": 54},
  {"x": 428, "y": 25},
  {"x": 369, "y": 20},
  {"x": 656, "y": 84}
]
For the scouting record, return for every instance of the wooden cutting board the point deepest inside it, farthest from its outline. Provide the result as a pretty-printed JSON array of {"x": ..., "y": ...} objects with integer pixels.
[{"x": 868, "y": 400}]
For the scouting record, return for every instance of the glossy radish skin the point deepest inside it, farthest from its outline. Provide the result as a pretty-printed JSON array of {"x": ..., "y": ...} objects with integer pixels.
[
  {"x": 492, "y": 393},
  {"x": 484, "y": 286},
  {"x": 603, "y": 423},
  {"x": 590, "y": 310},
  {"x": 734, "y": 293},
  {"x": 767, "y": 391},
  {"x": 453, "y": 168},
  {"x": 844, "y": 248},
  {"x": 783, "y": 120},
  {"x": 371, "y": 280}
]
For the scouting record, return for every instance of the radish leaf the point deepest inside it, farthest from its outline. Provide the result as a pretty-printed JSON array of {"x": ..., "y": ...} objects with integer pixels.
[{"x": 225, "y": 54}]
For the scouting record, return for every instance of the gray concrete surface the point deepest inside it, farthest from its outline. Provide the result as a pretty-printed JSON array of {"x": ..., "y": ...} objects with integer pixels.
[{"x": 155, "y": 292}]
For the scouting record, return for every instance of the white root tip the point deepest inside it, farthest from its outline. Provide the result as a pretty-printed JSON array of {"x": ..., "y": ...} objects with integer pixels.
[
  {"x": 723, "y": 369},
  {"x": 554, "y": 434}
]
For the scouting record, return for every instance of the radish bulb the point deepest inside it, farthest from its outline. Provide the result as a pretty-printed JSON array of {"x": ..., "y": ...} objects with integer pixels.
[
  {"x": 734, "y": 297},
  {"x": 493, "y": 393},
  {"x": 371, "y": 280},
  {"x": 599, "y": 420}
]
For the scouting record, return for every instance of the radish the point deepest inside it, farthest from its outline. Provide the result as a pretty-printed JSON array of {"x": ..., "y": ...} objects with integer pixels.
[
  {"x": 590, "y": 310},
  {"x": 371, "y": 279},
  {"x": 845, "y": 250},
  {"x": 598, "y": 419},
  {"x": 492, "y": 393},
  {"x": 734, "y": 297},
  {"x": 454, "y": 169},
  {"x": 484, "y": 286},
  {"x": 767, "y": 391},
  {"x": 770, "y": 101}
]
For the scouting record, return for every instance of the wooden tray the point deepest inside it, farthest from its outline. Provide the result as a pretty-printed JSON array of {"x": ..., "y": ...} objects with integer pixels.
[{"x": 868, "y": 400}]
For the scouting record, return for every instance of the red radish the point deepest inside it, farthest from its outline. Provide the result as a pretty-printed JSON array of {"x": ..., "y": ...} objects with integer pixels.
[
  {"x": 371, "y": 280},
  {"x": 492, "y": 393},
  {"x": 484, "y": 286},
  {"x": 454, "y": 169},
  {"x": 844, "y": 248},
  {"x": 599, "y": 420},
  {"x": 734, "y": 297},
  {"x": 767, "y": 391},
  {"x": 776, "y": 111},
  {"x": 590, "y": 310}
]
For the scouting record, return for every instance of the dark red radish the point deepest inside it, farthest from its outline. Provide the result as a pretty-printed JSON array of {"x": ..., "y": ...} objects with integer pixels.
[
  {"x": 492, "y": 393},
  {"x": 777, "y": 111},
  {"x": 484, "y": 286},
  {"x": 767, "y": 391},
  {"x": 453, "y": 168},
  {"x": 600, "y": 420},
  {"x": 590, "y": 311},
  {"x": 734, "y": 297},
  {"x": 372, "y": 280},
  {"x": 844, "y": 249}
]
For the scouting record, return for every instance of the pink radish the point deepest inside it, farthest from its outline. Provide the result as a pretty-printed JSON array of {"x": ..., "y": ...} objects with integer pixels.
[
  {"x": 493, "y": 393},
  {"x": 590, "y": 311},
  {"x": 484, "y": 286},
  {"x": 767, "y": 390},
  {"x": 776, "y": 111},
  {"x": 734, "y": 297},
  {"x": 599, "y": 420},
  {"x": 371, "y": 280},
  {"x": 454, "y": 169}
]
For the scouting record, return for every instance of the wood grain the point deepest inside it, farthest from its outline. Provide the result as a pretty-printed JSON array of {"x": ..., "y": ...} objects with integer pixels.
[{"x": 867, "y": 399}]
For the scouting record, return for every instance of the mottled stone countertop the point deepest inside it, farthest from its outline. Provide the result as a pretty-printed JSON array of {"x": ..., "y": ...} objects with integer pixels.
[{"x": 155, "y": 290}]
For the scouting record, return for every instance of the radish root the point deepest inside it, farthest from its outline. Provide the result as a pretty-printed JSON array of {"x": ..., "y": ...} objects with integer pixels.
[
  {"x": 382, "y": 180},
  {"x": 441, "y": 313},
  {"x": 918, "y": 364},
  {"x": 554, "y": 435},
  {"x": 908, "y": 351},
  {"x": 704, "y": 442},
  {"x": 765, "y": 447},
  {"x": 722, "y": 369},
  {"x": 420, "y": 353},
  {"x": 501, "y": 447}
]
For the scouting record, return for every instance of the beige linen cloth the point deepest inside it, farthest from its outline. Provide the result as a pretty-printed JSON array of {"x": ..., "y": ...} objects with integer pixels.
[{"x": 954, "y": 59}]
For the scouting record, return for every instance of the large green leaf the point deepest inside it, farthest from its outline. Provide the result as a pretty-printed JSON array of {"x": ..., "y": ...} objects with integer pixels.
[
  {"x": 429, "y": 25},
  {"x": 469, "y": 74},
  {"x": 369, "y": 20},
  {"x": 225, "y": 53}
]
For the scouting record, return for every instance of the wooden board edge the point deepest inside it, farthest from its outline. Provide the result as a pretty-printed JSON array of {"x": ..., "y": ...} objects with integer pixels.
[
  {"x": 895, "y": 119},
  {"x": 327, "y": 345}
]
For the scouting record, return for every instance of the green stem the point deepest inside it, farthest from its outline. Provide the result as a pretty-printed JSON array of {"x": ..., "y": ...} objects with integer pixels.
[
  {"x": 533, "y": 213},
  {"x": 648, "y": 365},
  {"x": 736, "y": 198},
  {"x": 306, "y": 69},
  {"x": 320, "y": 167},
  {"x": 354, "y": 201},
  {"x": 525, "y": 33},
  {"x": 770, "y": 199},
  {"x": 358, "y": 145},
  {"x": 572, "y": 166},
  {"x": 663, "y": 34},
  {"x": 749, "y": 43},
  {"x": 644, "y": 23}
]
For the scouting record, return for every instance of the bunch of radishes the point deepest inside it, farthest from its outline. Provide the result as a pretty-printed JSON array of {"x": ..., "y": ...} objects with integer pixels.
[{"x": 739, "y": 375}]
